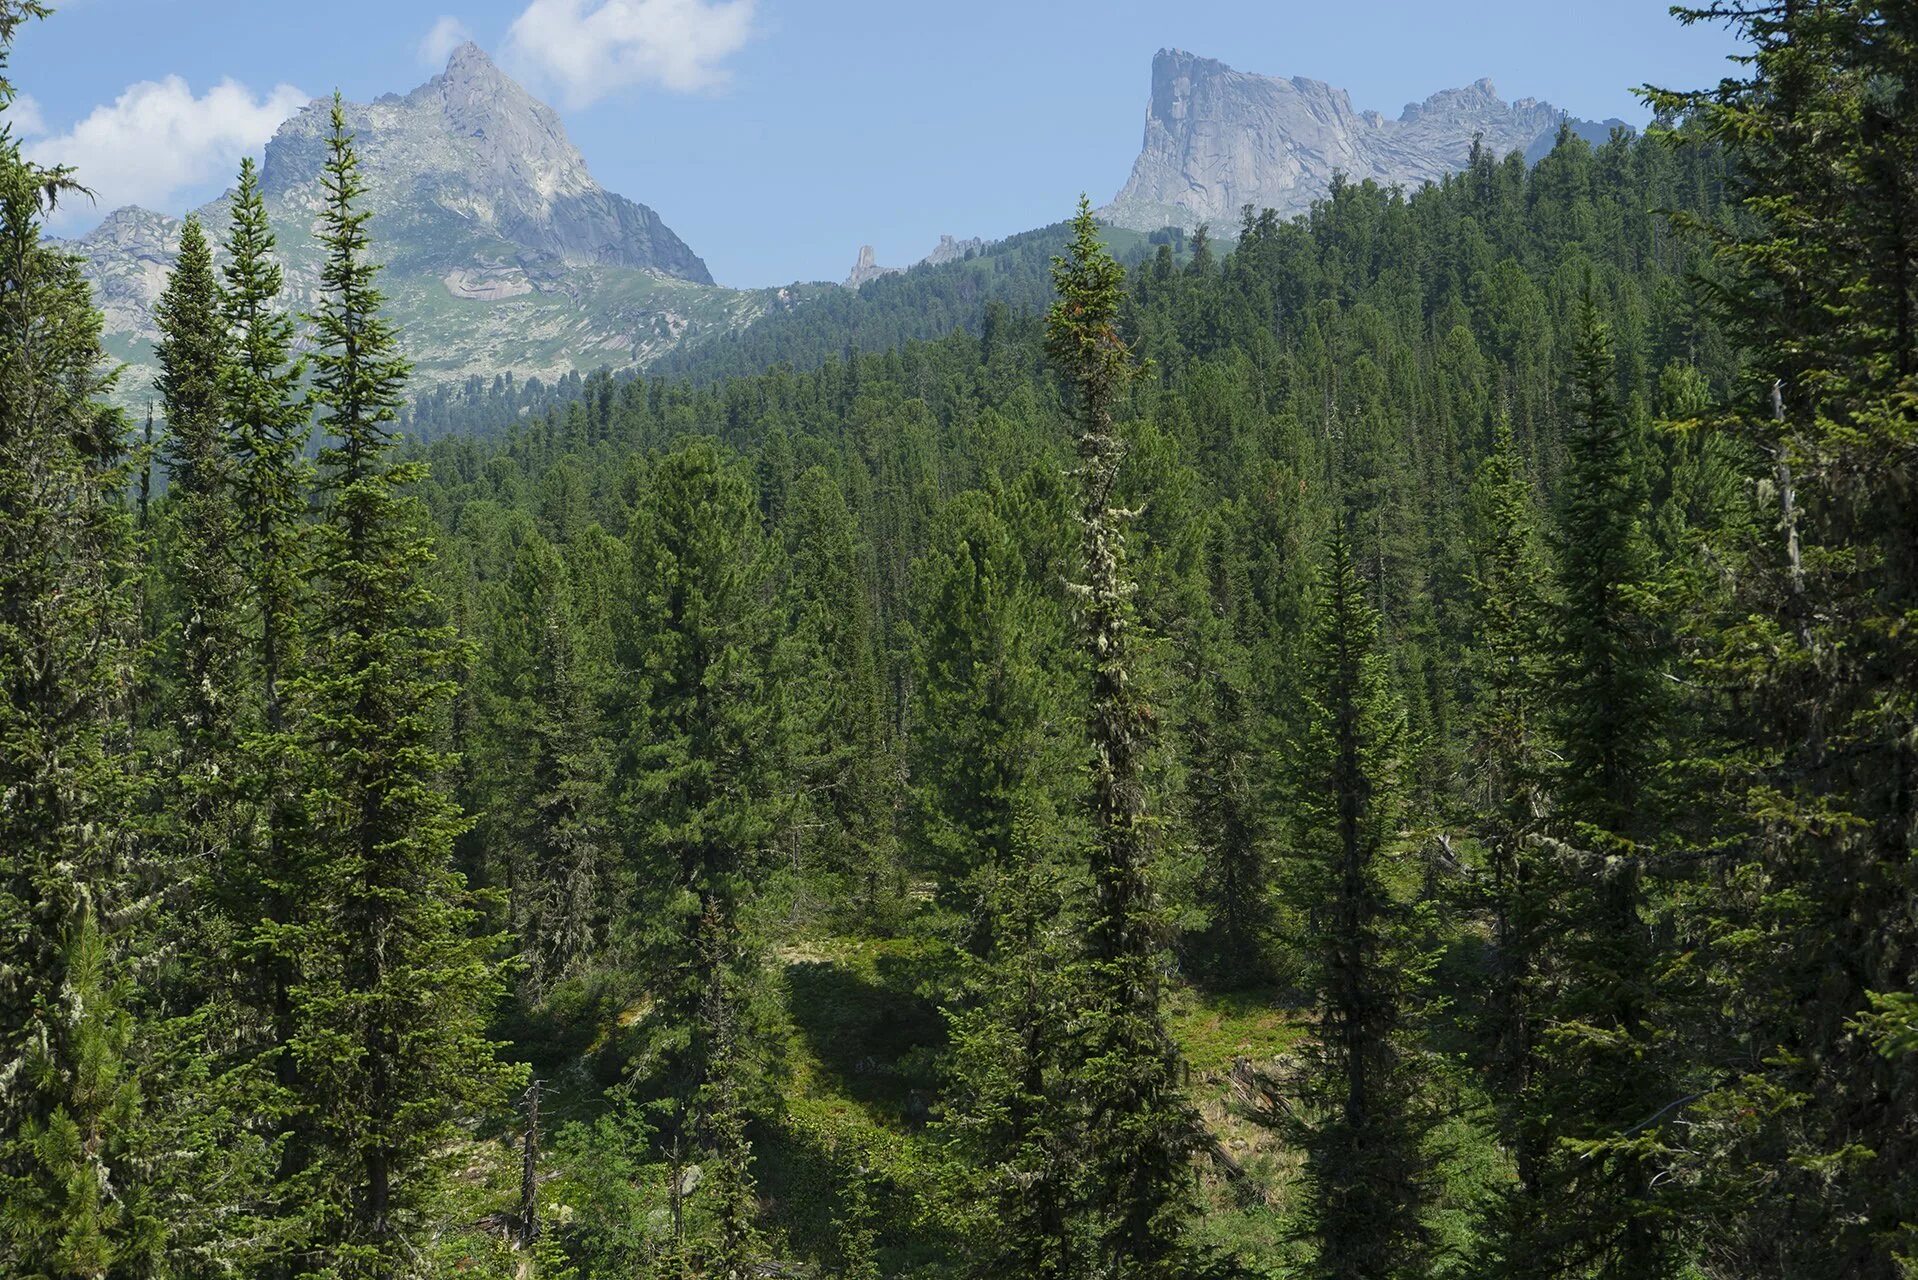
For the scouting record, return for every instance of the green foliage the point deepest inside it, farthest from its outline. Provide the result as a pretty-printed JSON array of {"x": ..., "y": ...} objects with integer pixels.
[
  {"x": 1364, "y": 1134},
  {"x": 1379, "y": 748},
  {"x": 75, "y": 1195},
  {"x": 389, "y": 1007}
]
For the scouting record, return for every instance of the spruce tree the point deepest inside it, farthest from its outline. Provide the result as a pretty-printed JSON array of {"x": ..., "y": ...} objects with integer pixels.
[
  {"x": 206, "y": 564},
  {"x": 980, "y": 753},
  {"x": 1598, "y": 1102},
  {"x": 847, "y": 764},
  {"x": 557, "y": 824},
  {"x": 1366, "y": 1168},
  {"x": 1141, "y": 1126},
  {"x": 269, "y": 421},
  {"x": 393, "y": 987}
]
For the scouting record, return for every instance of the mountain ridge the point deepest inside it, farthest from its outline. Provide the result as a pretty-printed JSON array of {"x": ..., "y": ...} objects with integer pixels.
[{"x": 1218, "y": 139}]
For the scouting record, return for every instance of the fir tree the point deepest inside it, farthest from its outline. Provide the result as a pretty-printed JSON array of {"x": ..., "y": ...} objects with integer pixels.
[
  {"x": 1601, "y": 1087},
  {"x": 1141, "y": 1124},
  {"x": 1365, "y": 1164},
  {"x": 393, "y": 987}
]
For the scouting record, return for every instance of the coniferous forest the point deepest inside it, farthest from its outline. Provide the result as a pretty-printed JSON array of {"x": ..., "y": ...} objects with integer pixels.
[{"x": 1381, "y": 744}]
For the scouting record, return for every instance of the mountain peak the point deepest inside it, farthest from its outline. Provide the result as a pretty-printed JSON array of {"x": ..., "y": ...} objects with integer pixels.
[
  {"x": 1217, "y": 140},
  {"x": 469, "y": 59}
]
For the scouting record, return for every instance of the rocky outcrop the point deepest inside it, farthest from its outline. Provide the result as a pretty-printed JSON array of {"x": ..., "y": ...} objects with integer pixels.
[
  {"x": 1217, "y": 140},
  {"x": 868, "y": 268},
  {"x": 949, "y": 249},
  {"x": 128, "y": 258},
  {"x": 471, "y": 155}
]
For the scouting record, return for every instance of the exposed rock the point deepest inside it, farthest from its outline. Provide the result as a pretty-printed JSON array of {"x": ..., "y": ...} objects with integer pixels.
[
  {"x": 949, "y": 249},
  {"x": 129, "y": 256},
  {"x": 1217, "y": 140},
  {"x": 487, "y": 284},
  {"x": 867, "y": 268},
  {"x": 501, "y": 250}
]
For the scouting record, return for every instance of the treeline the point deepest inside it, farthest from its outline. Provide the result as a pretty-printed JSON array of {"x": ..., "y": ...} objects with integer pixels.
[{"x": 1471, "y": 628}]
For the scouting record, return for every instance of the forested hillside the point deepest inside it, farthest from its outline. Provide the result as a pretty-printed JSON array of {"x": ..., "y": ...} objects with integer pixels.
[{"x": 1384, "y": 752}]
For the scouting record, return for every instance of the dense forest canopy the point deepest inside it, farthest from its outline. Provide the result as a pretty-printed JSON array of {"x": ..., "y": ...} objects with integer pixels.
[{"x": 1377, "y": 746}]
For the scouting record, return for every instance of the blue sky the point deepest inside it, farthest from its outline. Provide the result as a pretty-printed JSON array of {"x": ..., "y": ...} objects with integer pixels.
[{"x": 776, "y": 136}]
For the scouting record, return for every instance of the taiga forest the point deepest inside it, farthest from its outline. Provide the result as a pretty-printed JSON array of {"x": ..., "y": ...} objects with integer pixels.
[{"x": 1363, "y": 742}]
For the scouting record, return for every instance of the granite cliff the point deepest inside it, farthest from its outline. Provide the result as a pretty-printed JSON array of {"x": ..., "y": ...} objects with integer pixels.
[{"x": 1217, "y": 140}]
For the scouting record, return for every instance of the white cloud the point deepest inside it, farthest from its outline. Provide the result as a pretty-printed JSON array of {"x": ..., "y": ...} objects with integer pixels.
[
  {"x": 157, "y": 140},
  {"x": 23, "y": 115},
  {"x": 591, "y": 48},
  {"x": 448, "y": 34}
]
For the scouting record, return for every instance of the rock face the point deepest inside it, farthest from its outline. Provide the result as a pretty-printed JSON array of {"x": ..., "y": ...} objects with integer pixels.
[
  {"x": 1217, "y": 140},
  {"x": 471, "y": 155},
  {"x": 949, "y": 249},
  {"x": 868, "y": 268}
]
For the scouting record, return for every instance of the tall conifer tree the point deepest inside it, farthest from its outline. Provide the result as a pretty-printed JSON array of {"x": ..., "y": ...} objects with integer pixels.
[
  {"x": 393, "y": 986},
  {"x": 1816, "y": 1152},
  {"x": 702, "y": 772},
  {"x": 1365, "y": 1162},
  {"x": 1142, "y": 1126},
  {"x": 1598, "y": 1099}
]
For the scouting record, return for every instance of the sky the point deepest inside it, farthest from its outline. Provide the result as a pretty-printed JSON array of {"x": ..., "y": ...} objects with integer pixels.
[{"x": 777, "y": 136}]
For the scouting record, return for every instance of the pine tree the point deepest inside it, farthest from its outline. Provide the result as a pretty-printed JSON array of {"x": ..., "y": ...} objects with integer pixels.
[
  {"x": 1141, "y": 1125},
  {"x": 702, "y": 772},
  {"x": 74, "y": 1199},
  {"x": 393, "y": 987},
  {"x": 1365, "y": 1164}
]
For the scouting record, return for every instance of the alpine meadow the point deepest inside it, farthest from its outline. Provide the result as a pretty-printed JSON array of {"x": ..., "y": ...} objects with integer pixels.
[{"x": 1351, "y": 714}]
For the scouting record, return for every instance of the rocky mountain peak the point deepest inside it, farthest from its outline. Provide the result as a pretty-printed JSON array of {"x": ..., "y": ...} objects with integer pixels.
[
  {"x": 470, "y": 65},
  {"x": 1217, "y": 140},
  {"x": 471, "y": 157}
]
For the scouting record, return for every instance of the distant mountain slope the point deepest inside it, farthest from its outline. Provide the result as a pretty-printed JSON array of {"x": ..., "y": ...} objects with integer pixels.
[
  {"x": 502, "y": 251},
  {"x": 941, "y": 294},
  {"x": 1217, "y": 140}
]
